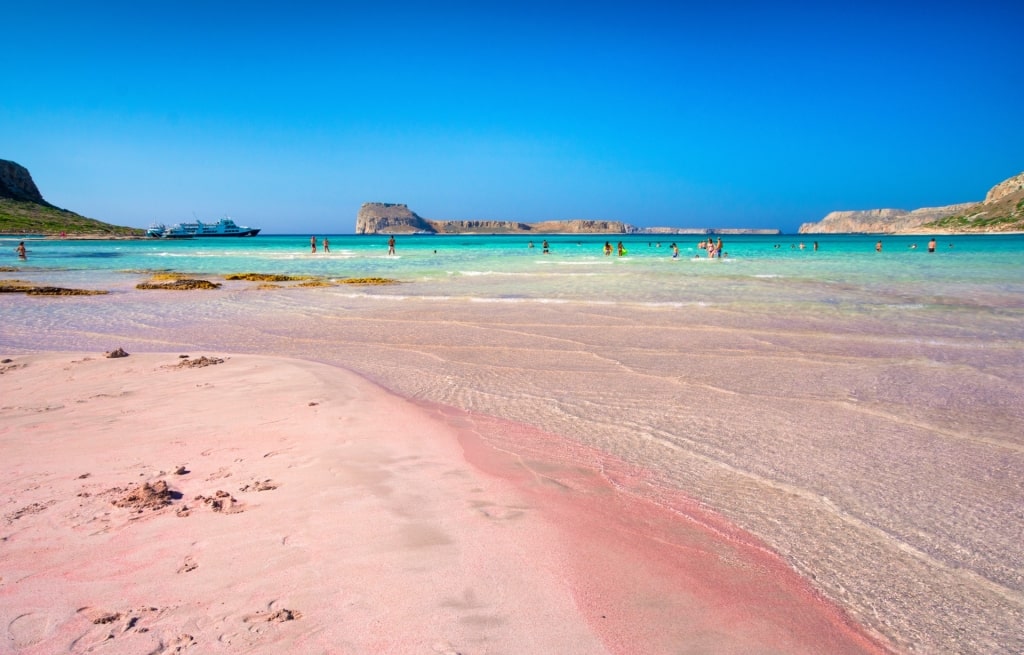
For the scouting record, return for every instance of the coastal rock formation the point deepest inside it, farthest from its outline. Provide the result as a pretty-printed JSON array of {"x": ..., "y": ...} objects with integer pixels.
[
  {"x": 880, "y": 221},
  {"x": 392, "y": 218},
  {"x": 23, "y": 210},
  {"x": 16, "y": 184},
  {"x": 382, "y": 217},
  {"x": 1014, "y": 185},
  {"x": 1001, "y": 211},
  {"x": 544, "y": 227}
]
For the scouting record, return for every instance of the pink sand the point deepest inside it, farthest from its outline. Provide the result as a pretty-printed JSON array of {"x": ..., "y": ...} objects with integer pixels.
[{"x": 313, "y": 512}]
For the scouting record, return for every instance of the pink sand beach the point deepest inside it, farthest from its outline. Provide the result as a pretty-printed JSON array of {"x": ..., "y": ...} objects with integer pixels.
[
  {"x": 268, "y": 505},
  {"x": 439, "y": 472}
]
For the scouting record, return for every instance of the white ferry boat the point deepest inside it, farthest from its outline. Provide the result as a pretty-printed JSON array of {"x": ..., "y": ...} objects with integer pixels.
[{"x": 225, "y": 227}]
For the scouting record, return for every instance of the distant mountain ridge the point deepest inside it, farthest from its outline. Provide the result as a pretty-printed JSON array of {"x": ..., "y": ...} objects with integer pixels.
[
  {"x": 383, "y": 217},
  {"x": 1002, "y": 210}
]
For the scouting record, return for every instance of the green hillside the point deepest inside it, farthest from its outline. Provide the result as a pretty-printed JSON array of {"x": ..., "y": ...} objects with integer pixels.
[
  {"x": 1002, "y": 211},
  {"x": 1008, "y": 217},
  {"x": 23, "y": 217}
]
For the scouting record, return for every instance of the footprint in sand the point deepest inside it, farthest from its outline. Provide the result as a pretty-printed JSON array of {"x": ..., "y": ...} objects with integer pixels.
[
  {"x": 259, "y": 485},
  {"x": 28, "y": 629},
  {"x": 221, "y": 501},
  {"x": 258, "y": 620},
  {"x": 275, "y": 453},
  {"x": 173, "y": 645},
  {"x": 34, "y": 508},
  {"x": 498, "y": 513},
  {"x": 277, "y": 616},
  {"x": 112, "y": 625},
  {"x": 189, "y": 565},
  {"x": 222, "y": 472}
]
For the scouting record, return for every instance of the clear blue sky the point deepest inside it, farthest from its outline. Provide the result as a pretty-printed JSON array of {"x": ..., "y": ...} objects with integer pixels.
[{"x": 288, "y": 116}]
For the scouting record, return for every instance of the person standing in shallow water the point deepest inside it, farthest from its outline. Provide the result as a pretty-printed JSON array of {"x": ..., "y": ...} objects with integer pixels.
[
  {"x": 327, "y": 245},
  {"x": 21, "y": 250},
  {"x": 312, "y": 244},
  {"x": 931, "y": 245},
  {"x": 391, "y": 244},
  {"x": 878, "y": 246}
]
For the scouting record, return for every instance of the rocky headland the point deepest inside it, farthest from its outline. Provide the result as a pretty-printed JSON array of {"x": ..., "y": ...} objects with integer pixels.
[
  {"x": 1002, "y": 210},
  {"x": 16, "y": 184},
  {"x": 386, "y": 218},
  {"x": 24, "y": 211}
]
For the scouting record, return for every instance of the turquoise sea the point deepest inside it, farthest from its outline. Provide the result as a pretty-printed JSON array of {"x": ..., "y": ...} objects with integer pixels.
[{"x": 506, "y": 267}]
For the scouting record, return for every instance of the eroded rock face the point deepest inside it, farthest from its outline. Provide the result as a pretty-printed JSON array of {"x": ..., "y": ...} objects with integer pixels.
[
  {"x": 1002, "y": 210},
  {"x": 880, "y": 221},
  {"x": 1005, "y": 188},
  {"x": 388, "y": 218},
  {"x": 16, "y": 183},
  {"x": 382, "y": 217}
]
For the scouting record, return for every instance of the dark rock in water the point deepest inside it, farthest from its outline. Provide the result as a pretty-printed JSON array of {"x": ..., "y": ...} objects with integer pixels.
[
  {"x": 266, "y": 277},
  {"x": 61, "y": 291},
  {"x": 19, "y": 286},
  {"x": 179, "y": 285}
]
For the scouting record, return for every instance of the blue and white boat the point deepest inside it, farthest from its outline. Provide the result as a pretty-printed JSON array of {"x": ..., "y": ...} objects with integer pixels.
[{"x": 225, "y": 227}]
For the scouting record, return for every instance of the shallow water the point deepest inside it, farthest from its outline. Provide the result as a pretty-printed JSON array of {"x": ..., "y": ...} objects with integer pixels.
[{"x": 861, "y": 412}]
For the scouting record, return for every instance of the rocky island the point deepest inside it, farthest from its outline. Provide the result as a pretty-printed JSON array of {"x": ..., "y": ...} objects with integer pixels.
[
  {"x": 382, "y": 217},
  {"x": 1002, "y": 210}
]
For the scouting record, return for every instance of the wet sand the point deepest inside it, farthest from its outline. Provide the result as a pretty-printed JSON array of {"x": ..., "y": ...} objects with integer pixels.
[{"x": 267, "y": 505}]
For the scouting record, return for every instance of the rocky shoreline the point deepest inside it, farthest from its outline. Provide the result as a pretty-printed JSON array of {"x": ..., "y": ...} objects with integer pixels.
[{"x": 1001, "y": 212}]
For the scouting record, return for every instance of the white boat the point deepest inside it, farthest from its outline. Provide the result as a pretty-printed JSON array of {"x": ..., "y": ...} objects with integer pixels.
[{"x": 225, "y": 227}]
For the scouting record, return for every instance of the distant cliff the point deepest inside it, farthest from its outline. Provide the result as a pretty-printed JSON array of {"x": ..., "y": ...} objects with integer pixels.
[
  {"x": 380, "y": 217},
  {"x": 16, "y": 184},
  {"x": 23, "y": 210},
  {"x": 1001, "y": 211},
  {"x": 880, "y": 221}
]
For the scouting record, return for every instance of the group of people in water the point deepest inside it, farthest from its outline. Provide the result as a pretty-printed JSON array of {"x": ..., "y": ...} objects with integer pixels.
[
  {"x": 608, "y": 249},
  {"x": 312, "y": 244},
  {"x": 327, "y": 244},
  {"x": 712, "y": 247},
  {"x": 913, "y": 246}
]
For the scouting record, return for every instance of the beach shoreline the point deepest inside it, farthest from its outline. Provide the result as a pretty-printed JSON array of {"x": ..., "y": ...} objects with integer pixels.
[{"x": 346, "y": 516}]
